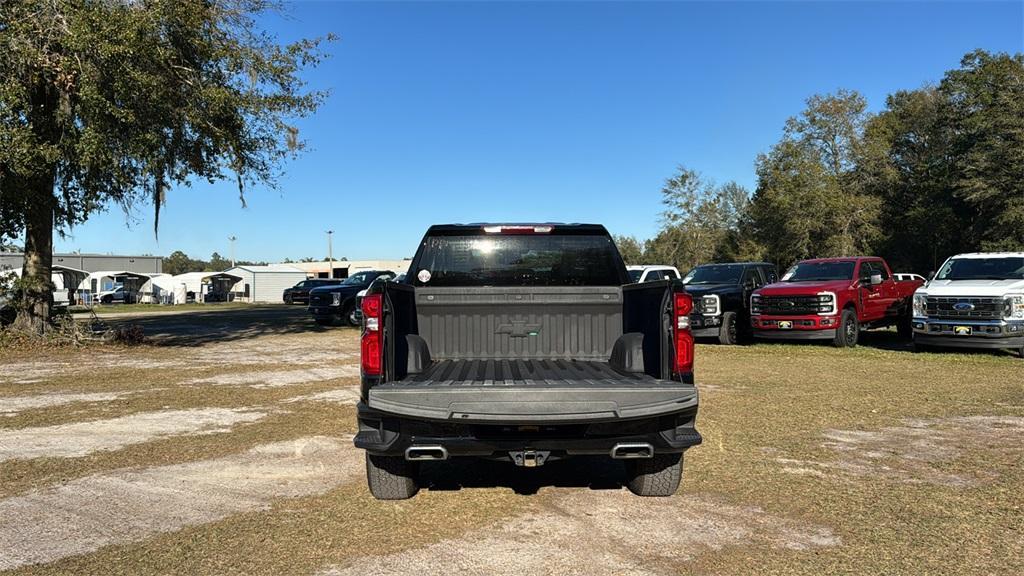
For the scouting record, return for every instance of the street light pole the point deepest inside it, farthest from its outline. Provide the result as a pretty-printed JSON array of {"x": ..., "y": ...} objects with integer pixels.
[
  {"x": 330, "y": 254},
  {"x": 232, "y": 240}
]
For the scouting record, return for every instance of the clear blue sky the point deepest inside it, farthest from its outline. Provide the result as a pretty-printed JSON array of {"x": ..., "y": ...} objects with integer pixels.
[{"x": 467, "y": 112}]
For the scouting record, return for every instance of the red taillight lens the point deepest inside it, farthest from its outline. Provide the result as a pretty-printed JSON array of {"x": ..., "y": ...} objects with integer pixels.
[
  {"x": 370, "y": 345},
  {"x": 682, "y": 305}
]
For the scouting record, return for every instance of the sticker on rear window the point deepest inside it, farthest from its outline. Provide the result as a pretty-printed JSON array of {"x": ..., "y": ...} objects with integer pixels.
[{"x": 423, "y": 276}]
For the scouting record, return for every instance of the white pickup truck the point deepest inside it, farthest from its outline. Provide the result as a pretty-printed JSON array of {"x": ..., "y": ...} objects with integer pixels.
[{"x": 974, "y": 301}]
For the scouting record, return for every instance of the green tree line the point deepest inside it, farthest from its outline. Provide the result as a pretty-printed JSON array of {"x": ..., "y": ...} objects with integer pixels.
[
  {"x": 179, "y": 263},
  {"x": 938, "y": 171}
]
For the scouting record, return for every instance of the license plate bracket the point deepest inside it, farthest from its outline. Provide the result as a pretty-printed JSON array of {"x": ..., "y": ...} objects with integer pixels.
[
  {"x": 785, "y": 324},
  {"x": 963, "y": 330}
]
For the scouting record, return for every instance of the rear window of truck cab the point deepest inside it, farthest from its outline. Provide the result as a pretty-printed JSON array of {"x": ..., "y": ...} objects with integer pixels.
[
  {"x": 549, "y": 259},
  {"x": 820, "y": 271}
]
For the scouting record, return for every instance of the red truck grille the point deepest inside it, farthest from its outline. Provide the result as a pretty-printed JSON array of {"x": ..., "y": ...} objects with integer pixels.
[{"x": 792, "y": 305}]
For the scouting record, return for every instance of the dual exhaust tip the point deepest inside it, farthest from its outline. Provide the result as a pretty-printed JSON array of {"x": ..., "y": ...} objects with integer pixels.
[
  {"x": 632, "y": 451},
  {"x": 621, "y": 451},
  {"x": 421, "y": 453}
]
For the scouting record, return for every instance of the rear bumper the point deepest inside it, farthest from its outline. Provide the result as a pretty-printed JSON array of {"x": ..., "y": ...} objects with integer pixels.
[{"x": 390, "y": 435}]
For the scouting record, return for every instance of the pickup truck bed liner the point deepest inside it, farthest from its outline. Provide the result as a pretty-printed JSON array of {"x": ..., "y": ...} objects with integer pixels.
[
  {"x": 521, "y": 373},
  {"x": 525, "y": 391}
]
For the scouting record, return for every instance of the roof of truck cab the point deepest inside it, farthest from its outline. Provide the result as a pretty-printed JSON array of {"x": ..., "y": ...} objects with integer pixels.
[
  {"x": 478, "y": 227},
  {"x": 843, "y": 259},
  {"x": 991, "y": 255},
  {"x": 735, "y": 264}
]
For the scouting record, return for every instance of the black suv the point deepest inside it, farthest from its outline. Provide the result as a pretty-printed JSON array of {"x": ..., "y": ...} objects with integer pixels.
[
  {"x": 721, "y": 298},
  {"x": 299, "y": 294},
  {"x": 337, "y": 304}
]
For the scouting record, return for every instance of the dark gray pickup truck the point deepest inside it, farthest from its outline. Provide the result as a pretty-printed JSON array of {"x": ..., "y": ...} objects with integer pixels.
[{"x": 526, "y": 343}]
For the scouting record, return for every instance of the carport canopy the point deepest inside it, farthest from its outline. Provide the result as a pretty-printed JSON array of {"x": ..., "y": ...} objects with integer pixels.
[{"x": 72, "y": 277}]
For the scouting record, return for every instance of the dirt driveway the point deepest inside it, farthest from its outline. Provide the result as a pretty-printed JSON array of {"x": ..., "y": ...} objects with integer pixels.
[{"x": 225, "y": 447}]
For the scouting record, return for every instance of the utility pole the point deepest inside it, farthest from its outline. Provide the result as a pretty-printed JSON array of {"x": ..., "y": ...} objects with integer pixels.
[
  {"x": 330, "y": 254},
  {"x": 232, "y": 239}
]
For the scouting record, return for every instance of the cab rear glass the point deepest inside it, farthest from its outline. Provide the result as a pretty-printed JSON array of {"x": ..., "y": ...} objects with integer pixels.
[{"x": 542, "y": 259}]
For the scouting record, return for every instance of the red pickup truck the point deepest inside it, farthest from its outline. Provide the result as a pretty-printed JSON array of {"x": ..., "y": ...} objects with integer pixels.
[{"x": 832, "y": 299}]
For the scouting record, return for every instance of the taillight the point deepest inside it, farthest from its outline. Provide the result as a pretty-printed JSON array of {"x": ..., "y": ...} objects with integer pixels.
[
  {"x": 370, "y": 345},
  {"x": 682, "y": 305}
]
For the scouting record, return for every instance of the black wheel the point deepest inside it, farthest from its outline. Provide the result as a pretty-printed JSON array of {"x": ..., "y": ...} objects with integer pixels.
[
  {"x": 349, "y": 315},
  {"x": 848, "y": 331},
  {"x": 391, "y": 477},
  {"x": 289, "y": 300},
  {"x": 657, "y": 476},
  {"x": 107, "y": 300},
  {"x": 728, "y": 332},
  {"x": 1020, "y": 352}
]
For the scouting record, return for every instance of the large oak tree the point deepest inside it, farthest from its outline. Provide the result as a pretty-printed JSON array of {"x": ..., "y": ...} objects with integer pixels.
[{"x": 112, "y": 102}]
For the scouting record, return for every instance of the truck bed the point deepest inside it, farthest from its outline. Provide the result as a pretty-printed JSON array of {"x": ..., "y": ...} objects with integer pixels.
[{"x": 524, "y": 391}]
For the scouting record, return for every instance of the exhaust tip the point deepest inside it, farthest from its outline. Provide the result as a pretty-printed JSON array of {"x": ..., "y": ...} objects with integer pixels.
[
  {"x": 418, "y": 453},
  {"x": 632, "y": 450}
]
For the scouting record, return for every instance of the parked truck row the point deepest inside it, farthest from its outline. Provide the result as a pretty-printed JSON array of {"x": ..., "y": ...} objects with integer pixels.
[{"x": 532, "y": 343}]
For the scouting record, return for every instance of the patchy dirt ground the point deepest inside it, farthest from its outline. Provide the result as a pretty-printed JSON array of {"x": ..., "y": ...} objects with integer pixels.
[
  {"x": 917, "y": 451},
  {"x": 224, "y": 446},
  {"x": 594, "y": 533}
]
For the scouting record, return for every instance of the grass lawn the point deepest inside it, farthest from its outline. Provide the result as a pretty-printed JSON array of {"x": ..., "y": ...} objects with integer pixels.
[
  {"x": 142, "y": 308},
  {"x": 899, "y": 463}
]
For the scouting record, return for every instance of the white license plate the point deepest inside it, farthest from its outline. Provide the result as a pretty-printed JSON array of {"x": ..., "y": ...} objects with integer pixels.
[{"x": 785, "y": 324}]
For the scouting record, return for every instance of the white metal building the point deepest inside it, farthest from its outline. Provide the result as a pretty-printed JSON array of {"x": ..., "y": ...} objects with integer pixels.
[
  {"x": 346, "y": 268},
  {"x": 264, "y": 283}
]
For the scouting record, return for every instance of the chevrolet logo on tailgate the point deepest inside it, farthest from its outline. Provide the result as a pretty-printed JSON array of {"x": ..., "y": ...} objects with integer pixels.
[{"x": 518, "y": 329}]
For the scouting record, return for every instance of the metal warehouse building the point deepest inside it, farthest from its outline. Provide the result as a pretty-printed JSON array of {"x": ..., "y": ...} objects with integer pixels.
[
  {"x": 92, "y": 262},
  {"x": 264, "y": 283}
]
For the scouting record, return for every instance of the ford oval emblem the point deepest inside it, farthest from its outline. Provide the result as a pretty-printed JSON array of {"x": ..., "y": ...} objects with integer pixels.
[{"x": 963, "y": 306}]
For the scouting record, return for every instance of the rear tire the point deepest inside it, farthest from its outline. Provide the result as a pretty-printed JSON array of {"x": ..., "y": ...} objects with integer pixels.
[
  {"x": 657, "y": 476},
  {"x": 1020, "y": 352},
  {"x": 848, "y": 331},
  {"x": 728, "y": 333},
  {"x": 391, "y": 477}
]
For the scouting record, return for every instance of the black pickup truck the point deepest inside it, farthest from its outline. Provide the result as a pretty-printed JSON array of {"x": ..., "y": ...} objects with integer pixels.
[
  {"x": 336, "y": 304},
  {"x": 721, "y": 298},
  {"x": 525, "y": 343}
]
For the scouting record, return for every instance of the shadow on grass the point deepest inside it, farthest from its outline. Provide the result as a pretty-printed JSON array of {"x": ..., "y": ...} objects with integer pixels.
[
  {"x": 891, "y": 341},
  {"x": 199, "y": 327},
  {"x": 594, "y": 472}
]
